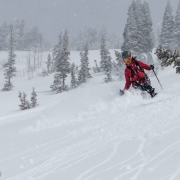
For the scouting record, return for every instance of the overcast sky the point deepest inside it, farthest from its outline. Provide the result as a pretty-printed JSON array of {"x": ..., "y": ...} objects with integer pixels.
[{"x": 52, "y": 16}]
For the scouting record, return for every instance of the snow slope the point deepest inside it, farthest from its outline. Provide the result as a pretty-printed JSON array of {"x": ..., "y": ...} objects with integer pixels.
[{"x": 90, "y": 133}]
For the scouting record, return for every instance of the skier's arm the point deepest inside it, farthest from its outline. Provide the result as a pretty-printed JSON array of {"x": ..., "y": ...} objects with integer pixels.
[
  {"x": 127, "y": 78},
  {"x": 144, "y": 66}
]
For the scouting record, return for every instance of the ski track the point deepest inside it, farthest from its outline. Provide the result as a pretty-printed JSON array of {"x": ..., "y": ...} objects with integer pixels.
[{"x": 101, "y": 133}]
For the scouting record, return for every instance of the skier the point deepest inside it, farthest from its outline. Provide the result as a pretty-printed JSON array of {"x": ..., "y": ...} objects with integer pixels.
[{"x": 135, "y": 75}]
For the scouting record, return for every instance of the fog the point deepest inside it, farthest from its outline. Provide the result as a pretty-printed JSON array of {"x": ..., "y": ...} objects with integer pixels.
[{"x": 52, "y": 16}]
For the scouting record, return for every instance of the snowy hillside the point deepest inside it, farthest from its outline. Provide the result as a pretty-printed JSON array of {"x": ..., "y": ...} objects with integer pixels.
[{"x": 89, "y": 133}]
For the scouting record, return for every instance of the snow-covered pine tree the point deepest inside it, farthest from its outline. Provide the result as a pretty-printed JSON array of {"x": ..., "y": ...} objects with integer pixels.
[
  {"x": 74, "y": 82},
  {"x": 57, "y": 87},
  {"x": 176, "y": 38},
  {"x": 24, "y": 103},
  {"x": 168, "y": 58},
  {"x": 137, "y": 6},
  {"x": 105, "y": 63},
  {"x": 61, "y": 56},
  {"x": 130, "y": 32},
  {"x": 86, "y": 59},
  {"x": 20, "y": 97},
  {"x": 166, "y": 36},
  {"x": 147, "y": 40},
  {"x": 65, "y": 65},
  {"x": 138, "y": 30},
  {"x": 33, "y": 99},
  {"x": 57, "y": 64},
  {"x": 103, "y": 52},
  {"x": 10, "y": 69},
  {"x": 82, "y": 72},
  {"x": 108, "y": 69}
]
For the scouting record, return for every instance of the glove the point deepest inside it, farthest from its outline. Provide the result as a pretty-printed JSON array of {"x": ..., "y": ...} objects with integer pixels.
[
  {"x": 121, "y": 92},
  {"x": 152, "y": 67}
]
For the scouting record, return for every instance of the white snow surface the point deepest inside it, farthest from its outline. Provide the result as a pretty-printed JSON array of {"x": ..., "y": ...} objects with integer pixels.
[{"x": 90, "y": 133}]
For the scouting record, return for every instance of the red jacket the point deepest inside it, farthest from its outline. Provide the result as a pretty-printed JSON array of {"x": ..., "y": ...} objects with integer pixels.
[{"x": 138, "y": 74}]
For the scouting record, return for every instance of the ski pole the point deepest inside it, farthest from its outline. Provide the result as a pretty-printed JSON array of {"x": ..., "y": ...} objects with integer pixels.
[{"x": 157, "y": 78}]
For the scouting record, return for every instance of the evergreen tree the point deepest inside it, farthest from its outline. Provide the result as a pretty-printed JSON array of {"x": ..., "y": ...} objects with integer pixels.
[
  {"x": 24, "y": 103},
  {"x": 86, "y": 60},
  {"x": 166, "y": 36},
  {"x": 84, "y": 71},
  {"x": 105, "y": 63},
  {"x": 57, "y": 87},
  {"x": 176, "y": 37},
  {"x": 103, "y": 52},
  {"x": 147, "y": 41},
  {"x": 139, "y": 16},
  {"x": 130, "y": 32},
  {"x": 10, "y": 69},
  {"x": 33, "y": 99},
  {"x": 74, "y": 82},
  {"x": 65, "y": 65},
  {"x": 61, "y": 56},
  {"x": 138, "y": 30},
  {"x": 108, "y": 69},
  {"x": 57, "y": 64},
  {"x": 168, "y": 57},
  {"x": 57, "y": 54}
]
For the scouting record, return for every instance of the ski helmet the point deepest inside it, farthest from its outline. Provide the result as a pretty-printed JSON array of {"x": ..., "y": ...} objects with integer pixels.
[{"x": 126, "y": 54}]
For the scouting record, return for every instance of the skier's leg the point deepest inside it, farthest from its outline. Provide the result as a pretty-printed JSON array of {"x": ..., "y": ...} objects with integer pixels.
[{"x": 146, "y": 87}]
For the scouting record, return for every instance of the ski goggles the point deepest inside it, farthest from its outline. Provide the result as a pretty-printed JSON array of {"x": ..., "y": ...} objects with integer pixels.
[{"x": 127, "y": 60}]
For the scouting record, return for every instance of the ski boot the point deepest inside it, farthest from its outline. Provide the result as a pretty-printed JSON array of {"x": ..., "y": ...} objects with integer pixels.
[{"x": 152, "y": 92}]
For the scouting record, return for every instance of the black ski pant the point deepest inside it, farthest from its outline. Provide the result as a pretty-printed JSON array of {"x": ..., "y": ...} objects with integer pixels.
[{"x": 145, "y": 87}]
